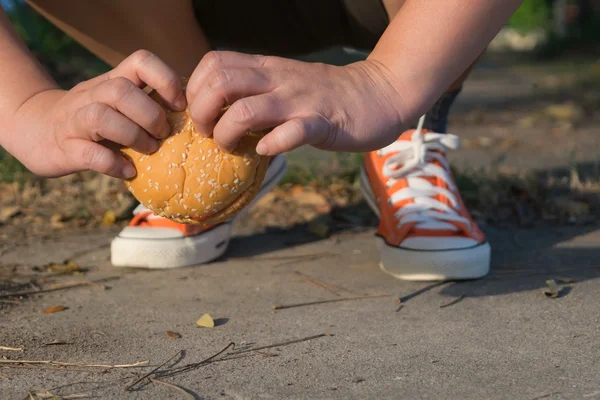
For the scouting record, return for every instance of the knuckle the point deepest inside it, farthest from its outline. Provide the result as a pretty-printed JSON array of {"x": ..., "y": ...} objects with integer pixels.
[
  {"x": 219, "y": 79},
  {"x": 298, "y": 129},
  {"x": 243, "y": 112},
  {"x": 156, "y": 118},
  {"x": 94, "y": 115},
  {"x": 142, "y": 56},
  {"x": 170, "y": 82},
  {"x": 90, "y": 157},
  {"x": 211, "y": 60},
  {"x": 120, "y": 88}
]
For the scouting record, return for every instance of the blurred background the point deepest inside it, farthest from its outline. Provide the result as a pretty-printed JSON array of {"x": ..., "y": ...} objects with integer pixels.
[{"x": 528, "y": 119}]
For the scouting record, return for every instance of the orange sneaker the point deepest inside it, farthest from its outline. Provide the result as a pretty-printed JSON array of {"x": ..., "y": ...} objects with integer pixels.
[
  {"x": 425, "y": 231},
  {"x": 150, "y": 241}
]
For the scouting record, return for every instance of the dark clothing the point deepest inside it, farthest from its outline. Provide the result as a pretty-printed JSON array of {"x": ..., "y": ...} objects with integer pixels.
[{"x": 291, "y": 27}]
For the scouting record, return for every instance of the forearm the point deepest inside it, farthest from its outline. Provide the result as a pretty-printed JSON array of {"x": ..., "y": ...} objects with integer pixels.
[
  {"x": 429, "y": 44},
  {"x": 21, "y": 77}
]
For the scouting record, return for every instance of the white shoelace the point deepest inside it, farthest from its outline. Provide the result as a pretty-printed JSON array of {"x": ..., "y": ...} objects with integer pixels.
[{"x": 413, "y": 161}]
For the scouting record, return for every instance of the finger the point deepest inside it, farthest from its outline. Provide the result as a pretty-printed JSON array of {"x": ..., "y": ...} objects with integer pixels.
[
  {"x": 248, "y": 114},
  {"x": 100, "y": 121},
  {"x": 95, "y": 157},
  {"x": 314, "y": 130},
  {"x": 224, "y": 87},
  {"x": 144, "y": 68},
  {"x": 124, "y": 96},
  {"x": 215, "y": 60}
]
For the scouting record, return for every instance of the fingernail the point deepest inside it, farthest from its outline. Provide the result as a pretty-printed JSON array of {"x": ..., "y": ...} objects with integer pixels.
[
  {"x": 180, "y": 102},
  {"x": 129, "y": 171},
  {"x": 261, "y": 148}
]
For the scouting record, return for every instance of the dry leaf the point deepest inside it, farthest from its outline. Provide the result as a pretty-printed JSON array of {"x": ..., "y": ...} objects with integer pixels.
[
  {"x": 552, "y": 291},
  {"x": 54, "y": 309},
  {"x": 206, "y": 321},
  {"x": 67, "y": 267},
  {"x": 109, "y": 218},
  {"x": 567, "y": 111},
  {"x": 173, "y": 335},
  {"x": 8, "y": 212}
]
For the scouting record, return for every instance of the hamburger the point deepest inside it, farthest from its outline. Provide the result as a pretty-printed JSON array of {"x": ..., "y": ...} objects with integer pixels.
[{"x": 190, "y": 180}]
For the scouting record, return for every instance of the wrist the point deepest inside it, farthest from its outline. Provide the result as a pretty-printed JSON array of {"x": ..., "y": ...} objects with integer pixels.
[
  {"x": 396, "y": 91},
  {"x": 27, "y": 121}
]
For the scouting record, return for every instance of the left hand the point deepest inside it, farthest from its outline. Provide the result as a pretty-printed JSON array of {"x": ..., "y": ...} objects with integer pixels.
[{"x": 351, "y": 108}]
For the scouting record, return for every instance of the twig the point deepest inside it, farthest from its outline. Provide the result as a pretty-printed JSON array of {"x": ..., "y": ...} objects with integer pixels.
[
  {"x": 315, "y": 282},
  {"x": 59, "y": 286},
  {"x": 195, "y": 365},
  {"x": 453, "y": 302},
  {"x": 67, "y": 364},
  {"x": 10, "y": 301},
  {"x": 175, "y": 387},
  {"x": 128, "y": 387},
  {"x": 44, "y": 367},
  {"x": 11, "y": 348},
  {"x": 57, "y": 343},
  {"x": 281, "y": 344},
  {"x": 310, "y": 303}
]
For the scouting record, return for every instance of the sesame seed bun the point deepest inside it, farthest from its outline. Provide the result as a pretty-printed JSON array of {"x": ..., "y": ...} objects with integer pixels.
[{"x": 190, "y": 180}]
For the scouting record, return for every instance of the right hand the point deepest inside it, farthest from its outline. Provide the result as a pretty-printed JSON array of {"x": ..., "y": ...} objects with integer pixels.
[{"x": 61, "y": 132}]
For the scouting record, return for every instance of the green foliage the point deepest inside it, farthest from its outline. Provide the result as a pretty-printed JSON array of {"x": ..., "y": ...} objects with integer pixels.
[
  {"x": 66, "y": 60},
  {"x": 532, "y": 15},
  {"x": 11, "y": 170}
]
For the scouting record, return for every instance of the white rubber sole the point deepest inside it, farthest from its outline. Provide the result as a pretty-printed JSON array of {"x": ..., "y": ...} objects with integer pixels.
[
  {"x": 163, "y": 253},
  {"x": 428, "y": 265}
]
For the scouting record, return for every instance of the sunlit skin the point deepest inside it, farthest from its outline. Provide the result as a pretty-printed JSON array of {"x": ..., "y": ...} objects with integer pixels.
[{"x": 359, "y": 107}]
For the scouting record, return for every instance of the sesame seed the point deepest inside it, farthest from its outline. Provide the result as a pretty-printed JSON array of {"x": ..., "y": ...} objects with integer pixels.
[
  {"x": 208, "y": 165},
  {"x": 148, "y": 169},
  {"x": 176, "y": 186},
  {"x": 167, "y": 187},
  {"x": 194, "y": 209},
  {"x": 145, "y": 190},
  {"x": 203, "y": 158}
]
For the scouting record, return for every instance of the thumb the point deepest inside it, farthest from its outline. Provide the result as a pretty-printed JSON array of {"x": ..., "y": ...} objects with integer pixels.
[{"x": 314, "y": 130}]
